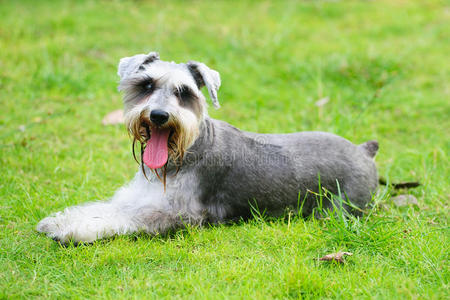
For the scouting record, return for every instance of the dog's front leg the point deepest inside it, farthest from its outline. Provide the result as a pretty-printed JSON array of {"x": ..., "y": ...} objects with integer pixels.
[
  {"x": 87, "y": 223},
  {"x": 138, "y": 206}
]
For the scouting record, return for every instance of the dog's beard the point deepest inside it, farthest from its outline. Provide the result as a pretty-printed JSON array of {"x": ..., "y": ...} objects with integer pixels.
[{"x": 179, "y": 140}]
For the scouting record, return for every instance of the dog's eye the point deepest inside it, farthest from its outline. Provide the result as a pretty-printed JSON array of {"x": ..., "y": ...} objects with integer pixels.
[
  {"x": 148, "y": 86},
  {"x": 184, "y": 93}
]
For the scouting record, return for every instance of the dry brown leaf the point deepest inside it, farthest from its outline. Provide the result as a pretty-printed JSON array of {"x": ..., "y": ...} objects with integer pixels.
[
  {"x": 338, "y": 256},
  {"x": 114, "y": 117}
]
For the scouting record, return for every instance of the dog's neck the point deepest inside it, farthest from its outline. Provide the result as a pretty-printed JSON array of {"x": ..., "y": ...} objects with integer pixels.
[
  {"x": 205, "y": 137},
  {"x": 201, "y": 144}
]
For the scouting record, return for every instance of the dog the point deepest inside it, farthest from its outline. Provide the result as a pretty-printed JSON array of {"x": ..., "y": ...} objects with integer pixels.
[{"x": 196, "y": 170}]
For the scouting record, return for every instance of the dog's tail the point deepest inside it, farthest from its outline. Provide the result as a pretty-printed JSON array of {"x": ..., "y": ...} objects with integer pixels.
[{"x": 370, "y": 147}]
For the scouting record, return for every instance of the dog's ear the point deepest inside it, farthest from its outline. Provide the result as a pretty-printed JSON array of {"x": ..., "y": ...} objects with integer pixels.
[
  {"x": 206, "y": 76},
  {"x": 128, "y": 65}
]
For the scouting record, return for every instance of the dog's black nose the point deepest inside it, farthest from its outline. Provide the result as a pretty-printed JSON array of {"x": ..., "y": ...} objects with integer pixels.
[{"x": 159, "y": 117}]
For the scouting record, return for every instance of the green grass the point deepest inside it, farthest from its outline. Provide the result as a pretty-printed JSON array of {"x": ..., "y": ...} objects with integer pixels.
[{"x": 383, "y": 64}]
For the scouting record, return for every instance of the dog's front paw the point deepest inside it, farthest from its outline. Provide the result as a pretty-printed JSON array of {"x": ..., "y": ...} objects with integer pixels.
[
  {"x": 63, "y": 229},
  {"x": 55, "y": 228},
  {"x": 47, "y": 225}
]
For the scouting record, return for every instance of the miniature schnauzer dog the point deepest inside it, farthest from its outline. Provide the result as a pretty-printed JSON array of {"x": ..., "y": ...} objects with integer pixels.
[{"x": 196, "y": 170}]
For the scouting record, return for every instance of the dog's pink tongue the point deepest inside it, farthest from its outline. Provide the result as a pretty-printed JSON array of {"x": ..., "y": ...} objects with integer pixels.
[{"x": 155, "y": 153}]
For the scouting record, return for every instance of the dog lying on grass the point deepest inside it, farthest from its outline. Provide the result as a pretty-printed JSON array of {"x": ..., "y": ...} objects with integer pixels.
[{"x": 195, "y": 169}]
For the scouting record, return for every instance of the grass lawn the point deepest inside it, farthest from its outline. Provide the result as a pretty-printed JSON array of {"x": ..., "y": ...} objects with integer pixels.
[{"x": 384, "y": 66}]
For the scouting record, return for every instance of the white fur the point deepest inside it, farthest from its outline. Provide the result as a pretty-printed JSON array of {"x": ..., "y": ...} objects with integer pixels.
[
  {"x": 142, "y": 205},
  {"x": 139, "y": 206},
  {"x": 173, "y": 78},
  {"x": 128, "y": 65}
]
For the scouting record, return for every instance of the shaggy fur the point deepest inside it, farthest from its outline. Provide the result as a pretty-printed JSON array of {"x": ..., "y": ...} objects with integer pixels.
[{"x": 215, "y": 172}]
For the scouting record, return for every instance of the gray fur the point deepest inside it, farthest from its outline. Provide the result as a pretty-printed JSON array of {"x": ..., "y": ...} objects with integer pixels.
[
  {"x": 225, "y": 171},
  {"x": 235, "y": 168},
  {"x": 206, "y": 76},
  {"x": 370, "y": 147}
]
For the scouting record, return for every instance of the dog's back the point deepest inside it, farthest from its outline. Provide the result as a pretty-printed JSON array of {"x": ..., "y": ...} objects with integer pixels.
[{"x": 276, "y": 170}]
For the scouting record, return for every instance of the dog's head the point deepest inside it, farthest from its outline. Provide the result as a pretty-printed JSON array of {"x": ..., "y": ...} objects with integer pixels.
[{"x": 164, "y": 106}]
